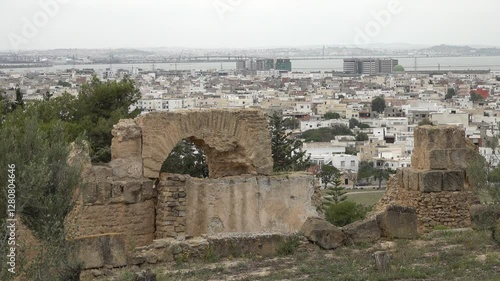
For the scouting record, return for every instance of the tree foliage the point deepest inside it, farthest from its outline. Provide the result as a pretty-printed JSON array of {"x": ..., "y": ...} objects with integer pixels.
[
  {"x": 326, "y": 134},
  {"x": 475, "y": 97},
  {"x": 331, "y": 115},
  {"x": 287, "y": 151},
  {"x": 378, "y": 104},
  {"x": 291, "y": 123},
  {"x": 362, "y": 136},
  {"x": 186, "y": 159},
  {"x": 425, "y": 121},
  {"x": 366, "y": 170},
  {"x": 450, "y": 94},
  {"x": 345, "y": 213},
  {"x": 334, "y": 192},
  {"x": 45, "y": 185},
  {"x": 353, "y": 123},
  {"x": 99, "y": 106}
]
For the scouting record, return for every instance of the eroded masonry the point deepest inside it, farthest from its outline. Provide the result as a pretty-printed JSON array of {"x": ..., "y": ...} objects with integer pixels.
[
  {"x": 436, "y": 185},
  {"x": 129, "y": 195}
]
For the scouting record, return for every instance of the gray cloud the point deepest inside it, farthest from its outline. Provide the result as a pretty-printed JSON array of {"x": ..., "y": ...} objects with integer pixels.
[{"x": 245, "y": 23}]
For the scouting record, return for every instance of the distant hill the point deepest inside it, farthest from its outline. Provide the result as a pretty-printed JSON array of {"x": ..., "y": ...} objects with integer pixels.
[{"x": 460, "y": 50}]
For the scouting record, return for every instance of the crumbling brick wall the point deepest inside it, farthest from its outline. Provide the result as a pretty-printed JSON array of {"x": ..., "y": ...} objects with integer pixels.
[
  {"x": 436, "y": 184},
  {"x": 171, "y": 207}
]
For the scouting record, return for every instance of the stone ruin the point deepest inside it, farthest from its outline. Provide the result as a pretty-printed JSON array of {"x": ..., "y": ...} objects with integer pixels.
[
  {"x": 127, "y": 204},
  {"x": 436, "y": 185},
  {"x": 433, "y": 192},
  {"x": 128, "y": 214}
]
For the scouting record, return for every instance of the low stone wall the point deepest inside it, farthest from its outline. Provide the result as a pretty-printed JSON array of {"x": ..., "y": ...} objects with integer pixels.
[
  {"x": 171, "y": 207},
  {"x": 245, "y": 204},
  {"x": 180, "y": 206},
  {"x": 110, "y": 205},
  {"x": 249, "y": 204}
]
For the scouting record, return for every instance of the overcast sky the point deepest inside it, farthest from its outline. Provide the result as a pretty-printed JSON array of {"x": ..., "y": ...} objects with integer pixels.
[{"x": 244, "y": 23}]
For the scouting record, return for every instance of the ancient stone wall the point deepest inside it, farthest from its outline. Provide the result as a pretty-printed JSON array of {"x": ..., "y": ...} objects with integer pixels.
[
  {"x": 171, "y": 208},
  {"x": 244, "y": 204},
  {"x": 129, "y": 196},
  {"x": 236, "y": 142},
  {"x": 107, "y": 204},
  {"x": 251, "y": 204},
  {"x": 436, "y": 184}
]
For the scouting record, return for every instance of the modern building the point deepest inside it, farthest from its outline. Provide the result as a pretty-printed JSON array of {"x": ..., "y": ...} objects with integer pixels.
[
  {"x": 283, "y": 64},
  {"x": 369, "y": 66},
  {"x": 264, "y": 64}
]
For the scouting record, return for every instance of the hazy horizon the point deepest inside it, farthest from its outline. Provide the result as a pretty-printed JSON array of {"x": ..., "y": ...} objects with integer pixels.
[{"x": 244, "y": 24}]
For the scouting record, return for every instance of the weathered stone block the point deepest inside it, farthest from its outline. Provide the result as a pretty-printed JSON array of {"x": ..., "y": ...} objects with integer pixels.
[
  {"x": 104, "y": 192},
  {"x": 410, "y": 179},
  {"x": 126, "y": 149},
  {"x": 398, "y": 222},
  {"x": 132, "y": 192},
  {"x": 459, "y": 158},
  {"x": 365, "y": 231},
  {"x": 399, "y": 177},
  {"x": 431, "y": 181},
  {"x": 323, "y": 233},
  {"x": 438, "y": 159},
  {"x": 127, "y": 139},
  {"x": 101, "y": 250},
  {"x": 453, "y": 180},
  {"x": 102, "y": 173},
  {"x": 127, "y": 167},
  {"x": 148, "y": 190},
  {"x": 89, "y": 193}
]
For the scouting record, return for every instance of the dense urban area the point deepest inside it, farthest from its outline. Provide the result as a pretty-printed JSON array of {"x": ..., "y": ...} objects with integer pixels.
[{"x": 365, "y": 113}]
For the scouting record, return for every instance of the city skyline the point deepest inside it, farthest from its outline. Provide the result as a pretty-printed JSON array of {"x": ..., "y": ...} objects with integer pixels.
[{"x": 78, "y": 24}]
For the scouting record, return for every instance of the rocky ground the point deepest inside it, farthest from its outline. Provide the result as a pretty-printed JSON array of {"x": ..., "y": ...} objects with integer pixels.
[{"x": 440, "y": 255}]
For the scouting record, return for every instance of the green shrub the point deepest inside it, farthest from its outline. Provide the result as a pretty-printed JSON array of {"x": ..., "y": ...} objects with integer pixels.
[
  {"x": 345, "y": 212},
  {"x": 289, "y": 246}
]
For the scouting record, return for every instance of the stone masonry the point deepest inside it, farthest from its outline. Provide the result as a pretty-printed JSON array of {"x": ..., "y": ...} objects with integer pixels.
[
  {"x": 436, "y": 184},
  {"x": 129, "y": 197}
]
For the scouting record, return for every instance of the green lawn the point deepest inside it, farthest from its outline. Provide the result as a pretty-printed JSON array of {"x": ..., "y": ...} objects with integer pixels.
[{"x": 368, "y": 198}]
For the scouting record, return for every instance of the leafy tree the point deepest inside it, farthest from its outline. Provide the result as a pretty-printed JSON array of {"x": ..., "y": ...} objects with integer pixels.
[
  {"x": 353, "y": 123},
  {"x": 378, "y": 104},
  {"x": 367, "y": 170},
  {"x": 287, "y": 152},
  {"x": 186, "y": 159},
  {"x": 475, "y": 97},
  {"x": 345, "y": 213},
  {"x": 381, "y": 174},
  {"x": 326, "y": 134},
  {"x": 63, "y": 83},
  {"x": 351, "y": 150},
  {"x": 291, "y": 123},
  {"x": 331, "y": 115},
  {"x": 330, "y": 175},
  {"x": 425, "y": 121},
  {"x": 450, "y": 93},
  {"x": 45, "y": 185},
  {"x": 362, "y": 136},
  {"x": 99, "y": 106},
  {"x": 47, "y": 96},
  {"x": 19, "y": 99}
]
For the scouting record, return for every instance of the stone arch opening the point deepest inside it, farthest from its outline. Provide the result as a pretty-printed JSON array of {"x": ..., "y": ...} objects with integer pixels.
[
  {"x": 187, "y": 158},
  {"x": 235, "y": 142}
]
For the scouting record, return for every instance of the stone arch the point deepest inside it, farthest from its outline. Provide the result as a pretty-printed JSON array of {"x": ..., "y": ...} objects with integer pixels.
[{"x": 236, "y": 142}]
